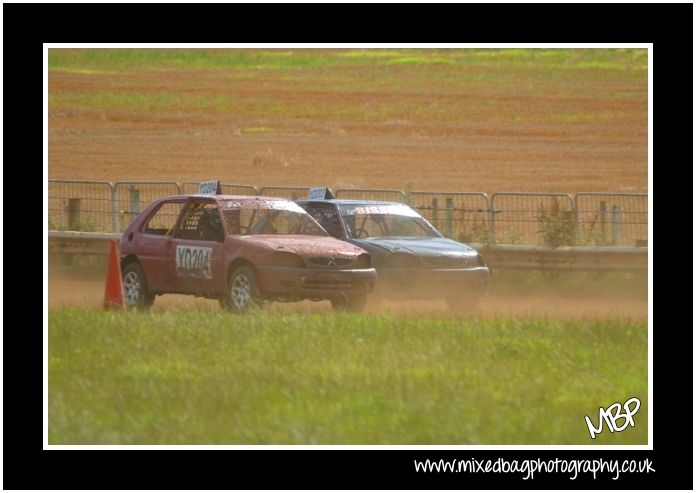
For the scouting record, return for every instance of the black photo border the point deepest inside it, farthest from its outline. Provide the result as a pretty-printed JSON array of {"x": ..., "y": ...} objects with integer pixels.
[{"x": 27, "y": 26}]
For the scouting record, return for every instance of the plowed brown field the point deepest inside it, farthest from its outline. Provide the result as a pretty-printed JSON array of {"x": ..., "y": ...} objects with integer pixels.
[{"x": 568, "y": 121}]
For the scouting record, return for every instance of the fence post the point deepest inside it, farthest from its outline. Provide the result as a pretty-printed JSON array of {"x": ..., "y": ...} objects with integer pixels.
[
  {"x": 575, "y": 218},
  {"x": 603, "y": 220},
  {"x": 449, "y": 209},
  {"x": 491, "y": 220},
  {"x": 436, "y": 220},
  {"x": 115, "y": 216},
  {"x": 134, "y": 206},
  {"x": 74, "y": 214},
  {"x": 615, "y": 225}
]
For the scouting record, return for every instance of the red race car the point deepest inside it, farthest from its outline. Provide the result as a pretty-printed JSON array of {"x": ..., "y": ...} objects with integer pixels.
[{"x": 242, "y": 251}]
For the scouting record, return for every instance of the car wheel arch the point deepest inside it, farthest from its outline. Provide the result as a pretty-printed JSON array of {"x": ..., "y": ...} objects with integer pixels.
[
  {"x": 238, "y": 262},
  {"x": 130, "y": 259}
]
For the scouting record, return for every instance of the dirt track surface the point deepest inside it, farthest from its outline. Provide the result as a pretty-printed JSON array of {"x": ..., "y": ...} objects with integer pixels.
[
  {"x": 89, "y": 294},
  {"x": 429, "y": 127}
]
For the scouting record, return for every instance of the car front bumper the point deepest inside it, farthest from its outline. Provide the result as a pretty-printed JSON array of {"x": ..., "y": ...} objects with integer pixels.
[{"x": 315, "y": 283}]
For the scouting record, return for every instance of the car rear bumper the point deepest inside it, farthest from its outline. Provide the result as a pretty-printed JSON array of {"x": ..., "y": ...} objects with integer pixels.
[
  {"x": 315, "y": 283},
  {"x": 415, "y": 283}
]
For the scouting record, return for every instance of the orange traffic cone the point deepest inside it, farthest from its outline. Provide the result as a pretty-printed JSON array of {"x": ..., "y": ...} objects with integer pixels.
[{"x": 113, "y": 294}]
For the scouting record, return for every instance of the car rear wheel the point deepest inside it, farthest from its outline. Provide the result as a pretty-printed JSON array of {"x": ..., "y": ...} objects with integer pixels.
[
  {"x": 136, "y": 292},
  {"x": 350, "y": 303},
  {"x": 242, "y": 290}
]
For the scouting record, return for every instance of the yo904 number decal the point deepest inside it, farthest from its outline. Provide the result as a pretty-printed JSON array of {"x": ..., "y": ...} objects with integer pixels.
[{"x": 193, "y": 261}]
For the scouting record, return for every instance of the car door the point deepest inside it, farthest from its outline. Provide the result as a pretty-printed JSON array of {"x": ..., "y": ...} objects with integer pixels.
[
  {"x": 154, "y": 243},
  {"x": 197, "y": 248}
]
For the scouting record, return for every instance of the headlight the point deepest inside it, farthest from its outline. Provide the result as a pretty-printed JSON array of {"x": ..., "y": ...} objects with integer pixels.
[
  {"x": 479, "y": 261},
  {"x": 287, "y": 259},
  {"x": 403, "y": 260},
  {"x": 364, "y": 261}
]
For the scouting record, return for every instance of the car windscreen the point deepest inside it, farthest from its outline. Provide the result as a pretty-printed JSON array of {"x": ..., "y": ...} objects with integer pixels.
[
  {"x": 270, "y": 218},
  {"x": 366, "y": 221}
]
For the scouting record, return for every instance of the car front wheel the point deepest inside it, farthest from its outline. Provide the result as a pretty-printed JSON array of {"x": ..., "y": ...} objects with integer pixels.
[
  {"x": 242, "y": 290},
  {"x": 136, "y": 292},
  {"x": 350, "y": 303}
]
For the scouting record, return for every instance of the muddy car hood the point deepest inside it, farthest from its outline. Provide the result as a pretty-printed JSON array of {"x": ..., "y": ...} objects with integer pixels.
[
  {"x": 417, "y": 246},
  {"x": 308, "y": 246}
]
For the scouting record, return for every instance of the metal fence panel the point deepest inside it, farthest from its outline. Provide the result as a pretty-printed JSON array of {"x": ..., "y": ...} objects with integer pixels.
[
  {"x": 290, "y": 193},
  {"x": 533, "y": 218},
  {"x": 191, "y": 187},
  {"x": 131, "y": 197},
  {"x": 387, "y": 195},
  {"x": 463, "y": 216},
  {"x": 617, "y": 219},
  {"x": 80, "y": 205},
  {"x": 551, "y": 219}
]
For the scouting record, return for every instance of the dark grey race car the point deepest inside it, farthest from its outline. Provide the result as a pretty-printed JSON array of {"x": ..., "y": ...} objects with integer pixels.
[{"x": 413, "y": 260}]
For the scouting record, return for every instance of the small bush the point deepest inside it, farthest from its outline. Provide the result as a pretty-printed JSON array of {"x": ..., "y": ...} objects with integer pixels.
[
  {"x": 479, "y": 233},
  {"x": 557, "y": 229}
]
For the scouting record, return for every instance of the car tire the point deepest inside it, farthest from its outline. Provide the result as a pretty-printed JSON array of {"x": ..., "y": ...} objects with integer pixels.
[
  {"x": 136, "y": 291},
  {"x": 242, "y": 290},
  {"x": 350, "y": 303}
]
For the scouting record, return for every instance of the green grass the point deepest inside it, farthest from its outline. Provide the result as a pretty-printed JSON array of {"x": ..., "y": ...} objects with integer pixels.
[
  {"x": 101, "y": 60},
  {"x": 208, "y": 377}
]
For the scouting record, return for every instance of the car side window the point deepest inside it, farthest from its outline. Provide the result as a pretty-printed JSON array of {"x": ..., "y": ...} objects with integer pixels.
[
  {"x": 163, "y": 221},
  {"x": 327, "y": 217},
  {"x": 200, "y": 221}
]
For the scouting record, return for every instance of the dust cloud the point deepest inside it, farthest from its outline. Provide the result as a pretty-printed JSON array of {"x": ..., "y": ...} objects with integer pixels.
[{"x": 67, "y": 288}]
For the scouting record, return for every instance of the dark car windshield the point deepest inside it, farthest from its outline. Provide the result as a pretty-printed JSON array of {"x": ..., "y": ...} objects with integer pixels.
[
  {"x": 270, "y": 221},
  {"x": 385, "y": 220}
]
